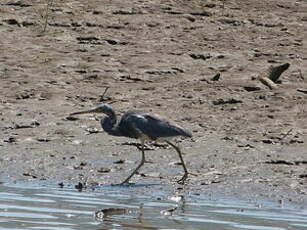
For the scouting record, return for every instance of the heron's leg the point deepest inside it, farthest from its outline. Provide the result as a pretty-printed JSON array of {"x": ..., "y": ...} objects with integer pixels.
[
  {"x": 137, "y": 168},
  {"x": 185, "y": 176}
]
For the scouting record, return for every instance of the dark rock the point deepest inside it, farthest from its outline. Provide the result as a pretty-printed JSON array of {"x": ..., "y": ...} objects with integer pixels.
[
  {"x": 103, "y": 170},
  {"x": 10, "y": 140},
  {"x": 88, "y": 38},
  {"x": 119, "y": 161},
  {"x": 221, "y": 101},
  {"x": 29, "y": 174},
  {"x": 201, "y": 13},
  {"x": 279, "y": 162},
  {"x": 12, "y": 21},
  {"x": 61, "y": 185},
  {"x": 251, "y": 88},
  {"x": 80, "y": 186},
  {"x": 18, "y": 3},
  {"x": 216, "y": 77},
  {"x": 201, "y": 56},
  {"x": 103, "y": 213}
]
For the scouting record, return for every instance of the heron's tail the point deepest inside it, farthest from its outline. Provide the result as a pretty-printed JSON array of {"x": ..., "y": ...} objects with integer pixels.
[{"x": 186, "y": 133}]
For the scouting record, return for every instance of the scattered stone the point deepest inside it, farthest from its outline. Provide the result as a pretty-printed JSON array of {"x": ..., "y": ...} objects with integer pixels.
[
  {"x": 279, "y": 162},
  {"x": 201, "y": 56},
  {"x": 103, "y": 170},
  {"x": 88, "y": 40},
  {"x": 41, "y": 139},
  {"x": 302, "y": 176},
  {"x": 121, "y": 161},
  {"x": 216, "y": 77},
  {"x": 252, "y": 88},
  {"x": 80, "y": 166},
  {"x": 168, "y": 212},
  {"x": 76, "y": 24},
  {"x": 201, "y": 13},
  {"x": 178, "y": 69},
  {"x": 80, "y": 186},
  {"x": 246, "y": 146},
  {"x": 90, "y": 24},
  {"x": 115, "y": 42},
  {"x": 24, "y": 95},
  {"x": 71, "y": 118},
  {"x": 222, "y": 101},
  {"x": 267, "y": 141},
  {"x": 61, "y": 185},
  {"x": 103, "y": 213},
  {"x": 92, "y": 131},
  {"x": 10, "y": 140},
  {"x": 302, "y": 91},
  {"x": 29, "y": 174},
  {"x": 300, "y": 162},
  {"x": 18, "y": 3},
  {"x": 190, "y": 17},
  {"x": 298, "y": 141},
  {"x": 163, "y": 71},
  {"x": 97, "y": 12},
  {"x": 27, "y": 23},
  {"x": 175, "y": 163},
  {"x": 148, "y": 88},
  {"x": 128, "y": 77},
  {"x": 12, "y": 21}
]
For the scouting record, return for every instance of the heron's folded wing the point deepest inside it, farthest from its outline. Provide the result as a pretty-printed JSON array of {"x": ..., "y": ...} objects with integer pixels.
[{"x": 154, "y": 126}]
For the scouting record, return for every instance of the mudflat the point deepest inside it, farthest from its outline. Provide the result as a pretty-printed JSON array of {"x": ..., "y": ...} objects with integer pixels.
[{"x": 199, "y": 63}]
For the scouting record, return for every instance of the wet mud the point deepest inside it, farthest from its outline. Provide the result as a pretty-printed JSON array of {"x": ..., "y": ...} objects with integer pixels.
[{"x": 204, "y": 64}]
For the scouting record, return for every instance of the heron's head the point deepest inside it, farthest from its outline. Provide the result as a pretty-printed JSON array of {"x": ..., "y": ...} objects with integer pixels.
[{"x": 103, "y": 108}]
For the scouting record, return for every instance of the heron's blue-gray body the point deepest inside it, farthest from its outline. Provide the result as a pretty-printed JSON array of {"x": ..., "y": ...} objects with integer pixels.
[{"x": 143, "y": 126}]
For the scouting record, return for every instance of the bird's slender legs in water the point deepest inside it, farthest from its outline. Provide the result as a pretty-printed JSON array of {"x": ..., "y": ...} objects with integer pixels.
[
  {"x": 137, "y": 168},
  {"x": 185, "y": 176},
  {"x": 180, "y": 181}
]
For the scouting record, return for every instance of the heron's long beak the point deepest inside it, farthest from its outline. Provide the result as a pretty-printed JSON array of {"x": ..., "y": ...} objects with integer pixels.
[{"x": 85, "y": 111}]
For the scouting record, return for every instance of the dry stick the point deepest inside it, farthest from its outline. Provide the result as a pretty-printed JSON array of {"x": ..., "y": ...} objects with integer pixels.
[
  {"x": 49, "y": 4},
  {"x": 272, "y": 74},
  {"x": 266, "y": 81},
  {"x": 104, "y": 93},
  {"x": 287, "y": 134}
]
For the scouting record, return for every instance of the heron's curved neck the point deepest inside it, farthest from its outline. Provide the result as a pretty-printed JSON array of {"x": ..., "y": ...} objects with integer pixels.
[{"x": 108, "y": 124}]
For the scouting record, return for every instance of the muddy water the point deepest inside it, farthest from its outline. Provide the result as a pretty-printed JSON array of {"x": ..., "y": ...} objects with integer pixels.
[{"x": 41, "y": 207}]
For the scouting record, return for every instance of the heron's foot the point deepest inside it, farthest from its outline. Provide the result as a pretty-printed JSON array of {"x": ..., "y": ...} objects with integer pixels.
[{"x": 182, "y": 179}]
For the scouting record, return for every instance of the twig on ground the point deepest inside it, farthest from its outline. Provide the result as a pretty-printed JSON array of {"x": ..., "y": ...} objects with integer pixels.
[{"x": 272, "y": 74}]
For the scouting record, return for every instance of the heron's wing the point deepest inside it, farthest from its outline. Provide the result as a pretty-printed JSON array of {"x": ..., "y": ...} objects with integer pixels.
[{"x": 153, "y": 126}]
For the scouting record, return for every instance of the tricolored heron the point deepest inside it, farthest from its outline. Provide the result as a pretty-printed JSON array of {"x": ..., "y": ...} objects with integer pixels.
[{"x": 143, "y": 126}]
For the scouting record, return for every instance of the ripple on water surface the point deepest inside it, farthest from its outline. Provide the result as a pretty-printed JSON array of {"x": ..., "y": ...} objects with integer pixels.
[{"x": 34, "y": 207}]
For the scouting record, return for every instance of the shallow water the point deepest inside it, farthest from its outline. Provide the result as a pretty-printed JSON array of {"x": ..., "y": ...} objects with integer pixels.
[{"x": 41, "y": 207}]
